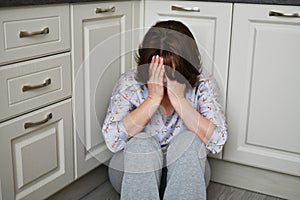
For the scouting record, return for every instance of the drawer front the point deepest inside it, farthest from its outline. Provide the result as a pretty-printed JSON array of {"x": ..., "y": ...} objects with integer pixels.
[
  {"x": 32, "y": 84},
  {"x": 29, "y": 32},
  {"x": 36, "y": 153}
]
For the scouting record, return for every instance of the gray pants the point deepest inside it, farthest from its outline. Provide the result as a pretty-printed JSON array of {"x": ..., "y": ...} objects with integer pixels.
[{"x": 136, "y": 172}]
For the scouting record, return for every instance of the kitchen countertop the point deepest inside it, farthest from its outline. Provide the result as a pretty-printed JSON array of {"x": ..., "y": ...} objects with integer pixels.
[{"x": 8, "y": 3}]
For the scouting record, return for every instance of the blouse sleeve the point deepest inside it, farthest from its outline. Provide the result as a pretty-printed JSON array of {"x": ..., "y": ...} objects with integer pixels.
[
  {"x": 114, "y": 133},
  {"x": 208, "y": 105}
]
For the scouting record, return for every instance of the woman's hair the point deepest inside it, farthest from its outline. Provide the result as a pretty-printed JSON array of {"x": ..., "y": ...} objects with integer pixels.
[{"x": 173, "y": 41}]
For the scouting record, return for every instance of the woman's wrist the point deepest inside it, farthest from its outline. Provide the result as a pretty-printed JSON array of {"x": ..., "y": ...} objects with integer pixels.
[
  {"x": 135, "y": 121},
  {"x": 154, "y": 100},
  {"x": 178, "y": 104}
]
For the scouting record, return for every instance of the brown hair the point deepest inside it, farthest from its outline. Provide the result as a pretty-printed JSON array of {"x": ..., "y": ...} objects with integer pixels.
[{"x": 175, "y": 43}]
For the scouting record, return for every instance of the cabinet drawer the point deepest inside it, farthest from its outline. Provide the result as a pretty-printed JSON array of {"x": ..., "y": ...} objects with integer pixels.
[
  {"x": 36, "y": 153},
  {"x": 31, "y": 32},
  {"x": 32, "y": 84}
]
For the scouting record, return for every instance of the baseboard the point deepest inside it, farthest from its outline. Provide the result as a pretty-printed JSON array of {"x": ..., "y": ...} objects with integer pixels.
[
  {"x": 255, "y": 179},
  {"x": 83, "y": 185}
]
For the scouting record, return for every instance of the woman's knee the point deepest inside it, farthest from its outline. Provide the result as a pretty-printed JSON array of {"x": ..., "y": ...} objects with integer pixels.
[
  {"x": 188, "y": 148},
  {"x": 142, "y": 153},
  {"x": 186, "y": 142},
  {"x": 142, "y": 143}
]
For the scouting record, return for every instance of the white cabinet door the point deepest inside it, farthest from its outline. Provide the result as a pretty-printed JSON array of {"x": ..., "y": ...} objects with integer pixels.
[
  {"x": 101, "y": 50},
  {"x": 210, "y": 24},
  {"x": 36, "y": 153},
  {"x": 263, "y": 92}
]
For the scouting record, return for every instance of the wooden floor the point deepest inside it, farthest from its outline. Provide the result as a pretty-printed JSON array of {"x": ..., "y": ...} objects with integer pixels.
[{"x": 215, "y": 191}]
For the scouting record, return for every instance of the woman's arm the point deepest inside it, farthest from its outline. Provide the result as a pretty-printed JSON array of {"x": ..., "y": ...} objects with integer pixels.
[
  {"x": 191, "y": 117},
  {"x": 195, "y": 122},
  {"x": 114, "y": 133},
  {"x": 135, "y": 121},
  {"x": 207, "y": 121}
]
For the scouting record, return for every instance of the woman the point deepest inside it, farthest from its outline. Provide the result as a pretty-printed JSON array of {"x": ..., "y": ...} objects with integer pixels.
[{"x": 163, "y": 118}]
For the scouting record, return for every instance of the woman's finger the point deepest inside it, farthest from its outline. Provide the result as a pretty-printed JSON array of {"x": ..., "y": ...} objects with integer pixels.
[
  {"x": 155, "y": 65},
  {"x": 159, "y": 67},
  {"x": 161, "y": 71},
  {"x": 151, "y": 67}
]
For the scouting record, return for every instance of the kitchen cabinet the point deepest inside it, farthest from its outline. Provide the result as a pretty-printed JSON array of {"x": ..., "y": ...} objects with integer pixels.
[
  {"x": 263, "y": 102},
  {"x": 251, "y": 50},
  {"x": 36, "y": 147},
  {"x": 210, "y": 24},
  {"x": 263, "y": 90},
  {"x": 101, "y": 51}
]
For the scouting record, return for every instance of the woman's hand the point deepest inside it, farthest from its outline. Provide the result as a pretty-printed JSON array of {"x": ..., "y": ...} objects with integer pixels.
[
  {"x": 189, "y": 115},
  {"x": 155, "y": 81},
  {"x": 176, "y": 92}
]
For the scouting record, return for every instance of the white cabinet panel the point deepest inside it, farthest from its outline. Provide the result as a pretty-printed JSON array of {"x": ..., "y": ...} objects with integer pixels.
[
  {"x": 28, "y": 150},
  {"x": 101, "y": 52},
  {"x": 263, "y": 93},
  {"x": 29, "y": 32},
  {"x": 275, "y": 92},
  {"x": 36, "y": 153},
  {"x": 210, "y": 26}
]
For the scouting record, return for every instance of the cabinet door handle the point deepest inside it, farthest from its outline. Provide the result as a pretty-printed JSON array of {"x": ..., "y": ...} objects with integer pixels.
[
  {"x": 32, "y": 87},
  {"x": 23, "y": 34},
  {"x": 32, "y": 124},
  {"x": 280, "y": 14},
  {"x": 105, "y": 10},
  {"x": 185, "y": 9}
]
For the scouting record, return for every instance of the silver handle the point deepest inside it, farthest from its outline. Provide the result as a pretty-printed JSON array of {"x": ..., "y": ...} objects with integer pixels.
[
  {"x": 105, "y": 10},
  {"x": 23, "y": 34},
  {"x": 32, "y": 124},
  {"x": 32, "y": 87},
  {"x": 280, "y": 14},
  {"x": 185, "y": 9}
]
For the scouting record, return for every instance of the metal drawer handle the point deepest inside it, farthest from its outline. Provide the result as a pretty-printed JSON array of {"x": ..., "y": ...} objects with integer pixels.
[
  {"x": 186, "y": 9},
  {"x": 32, "y": 87},
  {"x": 105, "y": 10},
  {"x": 23, "y": 34},
  {"x": 280, "y": 14},
  {"x": 32, "y": 124}
]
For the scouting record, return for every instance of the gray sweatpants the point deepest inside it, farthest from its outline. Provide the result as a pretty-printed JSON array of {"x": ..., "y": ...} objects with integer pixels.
[{"x": 136, "y": 172}]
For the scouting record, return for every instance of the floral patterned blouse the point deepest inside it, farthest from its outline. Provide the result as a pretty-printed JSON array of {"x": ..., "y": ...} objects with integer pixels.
[{"x": 128, "y": 94}]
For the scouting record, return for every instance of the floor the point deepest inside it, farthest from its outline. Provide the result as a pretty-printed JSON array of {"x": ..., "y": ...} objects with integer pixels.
[{"x": 215, "y": 191}]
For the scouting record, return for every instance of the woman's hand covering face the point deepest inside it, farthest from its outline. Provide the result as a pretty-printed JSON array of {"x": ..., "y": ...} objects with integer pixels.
[{"x": 156, "y": 77}]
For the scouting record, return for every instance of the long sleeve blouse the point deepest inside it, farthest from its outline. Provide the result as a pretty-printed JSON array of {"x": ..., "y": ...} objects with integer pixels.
[{"x": 128, "y": 94}]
